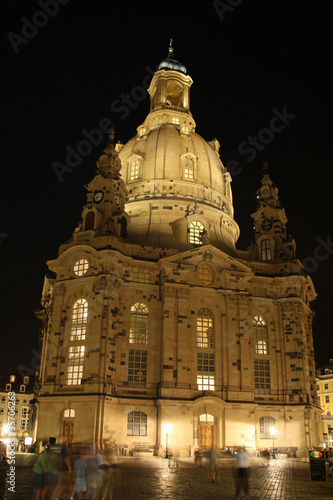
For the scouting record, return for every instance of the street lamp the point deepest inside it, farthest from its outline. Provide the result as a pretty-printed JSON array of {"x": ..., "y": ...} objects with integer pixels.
[{"x": 273, "y": 432}]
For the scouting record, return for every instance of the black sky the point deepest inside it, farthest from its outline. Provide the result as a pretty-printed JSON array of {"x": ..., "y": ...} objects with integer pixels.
[{"x": 256, "y": 57}]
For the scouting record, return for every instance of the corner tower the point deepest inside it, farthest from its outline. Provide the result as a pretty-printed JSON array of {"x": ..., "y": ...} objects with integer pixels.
[{"x": 179, "y": 193}]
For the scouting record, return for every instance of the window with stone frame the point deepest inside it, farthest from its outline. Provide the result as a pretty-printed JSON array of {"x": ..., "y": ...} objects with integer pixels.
[
  {"x": 205, "y": 371},
  {"x": 206, "y": 274},
  {"x": 265, "y": 425},
  {"x": 205, "y": 328},
  {"x": 79, "y": 319},
  {"x": 266, "y": 249},
  {"x": 81, "y": 266},
  {"x": 196, "y": 231},
  {"x": 139, "y": 324},
  {"x": 137, "y": 368},
  {"x": 260, "y": 335},
  {"x": 24, "y": 418},
  {"x": 136, "y": 423},
  {"x": 134, "y": 169},
  {"x": 188, "y": 168},
  {"x": 262, "y": 377},
  {"x": 75, "y": 365}
]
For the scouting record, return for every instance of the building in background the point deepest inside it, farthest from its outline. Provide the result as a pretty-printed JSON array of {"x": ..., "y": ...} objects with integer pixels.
[
  {"x": 20, "y": 388},
  {"x": 325, "y": 394},
  {"x": 157, "y": 332}
]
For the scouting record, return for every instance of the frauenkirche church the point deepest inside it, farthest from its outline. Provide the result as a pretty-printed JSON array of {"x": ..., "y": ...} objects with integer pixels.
[{"x": 156, "y": 330}]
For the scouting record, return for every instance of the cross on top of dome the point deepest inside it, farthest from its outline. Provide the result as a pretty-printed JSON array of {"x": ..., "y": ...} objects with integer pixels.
[{"x": 171, "y": 63}]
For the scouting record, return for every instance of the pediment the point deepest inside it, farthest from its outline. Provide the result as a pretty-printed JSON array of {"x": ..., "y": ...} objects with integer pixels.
[{"x": 208, "y": 253}]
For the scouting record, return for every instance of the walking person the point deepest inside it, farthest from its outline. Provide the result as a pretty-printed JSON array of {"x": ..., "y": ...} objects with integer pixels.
[{"x": 243, "y": 462}]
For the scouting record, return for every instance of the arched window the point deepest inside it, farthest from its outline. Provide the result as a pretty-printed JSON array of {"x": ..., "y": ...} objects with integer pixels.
[
  {"x": 139, "y": 324},
  {"x": 196, "y": 232},
  {"x": 136, "y": 424},
  {"x": 69, "y": 413},
  {"x": 260, "y": 335},
  {"x": 266, "y": 249},
  {"x": 89, "y": 221},
  {"x": 266, "y": 423},
  {"x": 79, "y": 320},
  {"x": 205, "y": 328}
]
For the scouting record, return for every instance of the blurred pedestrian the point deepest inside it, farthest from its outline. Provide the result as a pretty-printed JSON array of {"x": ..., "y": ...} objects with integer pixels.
[
  {"x": 80, "y": 475},
  {"x": 38, "y": 472},
  {"x": 213, "y": 462},
  {"x": 243, "y": 461}
]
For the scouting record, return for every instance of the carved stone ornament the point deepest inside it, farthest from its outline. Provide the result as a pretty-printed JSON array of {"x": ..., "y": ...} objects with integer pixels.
[{"x": 109, "y": 164}]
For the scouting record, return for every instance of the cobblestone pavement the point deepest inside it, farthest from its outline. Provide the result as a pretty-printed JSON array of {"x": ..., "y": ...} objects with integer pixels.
[{"x": 152, "y": 479}]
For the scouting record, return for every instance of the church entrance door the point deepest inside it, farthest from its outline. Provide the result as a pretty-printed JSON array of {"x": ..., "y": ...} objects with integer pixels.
[
  {"x": 68, "y": 431},
  {"x": 206, "y": 436}
]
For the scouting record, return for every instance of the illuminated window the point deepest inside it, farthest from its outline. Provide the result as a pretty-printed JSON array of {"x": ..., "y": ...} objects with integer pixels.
[
  {"x": 12, "y": 378},
  {"x": 205, "y": 328},
  {"x": 26, "y": 380},
  {"x": 205, "y": 371},
  {"x": 81, "y": 267},
  {"x": 136, "y": 424},
  {"x": 24, "y": 419},
  {"x": 69, "y": 413},
  {"x": 175, "y": 121},
  {"x": 188, "y": 169},
  {"x": 79, "y": 320},
  {"x": 266, "y": 249},
  {"x": 262, "y": 378},
  {"x": 260, "y": 335},
  {"x": 139, "y": 324},
  {"x": 196, "y": 232},
  {"x": 141, "y": 277},
  {"x": 265, "y": 424},
  {"x": 206, "y": 274},
  {"x": 75, "y": 365},
  {"x": 134, "y": 170},
  {"x": 137, "y": 368}
]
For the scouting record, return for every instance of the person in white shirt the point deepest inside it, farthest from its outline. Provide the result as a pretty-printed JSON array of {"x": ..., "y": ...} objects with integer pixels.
[{"x": 243, "y": 472}]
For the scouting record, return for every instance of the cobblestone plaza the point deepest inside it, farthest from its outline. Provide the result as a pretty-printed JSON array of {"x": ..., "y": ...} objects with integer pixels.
[{"x": 150, "y": 479}]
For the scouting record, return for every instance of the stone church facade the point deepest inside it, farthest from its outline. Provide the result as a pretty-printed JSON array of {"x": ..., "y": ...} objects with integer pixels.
[{"x": 156, "y": 331}]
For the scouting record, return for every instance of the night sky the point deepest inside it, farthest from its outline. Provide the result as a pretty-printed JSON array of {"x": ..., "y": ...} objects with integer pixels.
[{"x": 250, "y": 61}]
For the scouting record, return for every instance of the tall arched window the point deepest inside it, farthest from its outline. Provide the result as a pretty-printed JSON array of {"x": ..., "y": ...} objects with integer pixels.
[
  {"x": 89, "y": 222},
  {"x": 205, "y": 328},
  {"x": 79, "y": 320},
  {"x": 196, "y": 232},
  {"x": 260, "y": 335},
  {"x": 139, "y": 324},
  {"x": 136, "y": 424},
  {"x": 266, "y": 249},
  {"x": 265, "y": 424}
]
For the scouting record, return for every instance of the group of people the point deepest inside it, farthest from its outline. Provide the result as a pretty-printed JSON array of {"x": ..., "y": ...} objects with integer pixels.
[
  {"x": 87, "y": 476},
  {"x": 243, "y": 466}
]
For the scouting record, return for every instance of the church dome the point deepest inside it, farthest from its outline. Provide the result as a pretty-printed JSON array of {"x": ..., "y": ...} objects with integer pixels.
[{"x": 179, "y": 193}]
